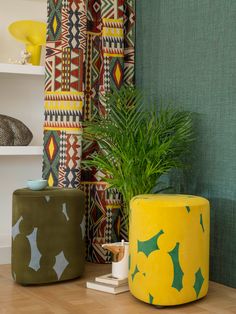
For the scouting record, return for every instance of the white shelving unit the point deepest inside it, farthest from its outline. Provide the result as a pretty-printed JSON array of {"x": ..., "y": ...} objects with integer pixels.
[
  {"x": 21, "y": 97},
  {"x": 21, "y": 150},
  {"x": 21, "y": 69},
  {"x": 7, "y": 68}
]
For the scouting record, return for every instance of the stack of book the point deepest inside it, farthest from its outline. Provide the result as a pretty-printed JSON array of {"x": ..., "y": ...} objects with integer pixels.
[{"x": 109, "y": 284}]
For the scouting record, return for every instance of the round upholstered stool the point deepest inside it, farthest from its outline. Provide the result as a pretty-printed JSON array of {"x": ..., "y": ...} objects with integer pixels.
[
  {"x": 47, "y": 235},
  {"x": 169, "y": 248}
]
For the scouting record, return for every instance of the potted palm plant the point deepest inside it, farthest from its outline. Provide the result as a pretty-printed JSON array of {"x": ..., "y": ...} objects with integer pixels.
[{"x": 137, "y": 144}]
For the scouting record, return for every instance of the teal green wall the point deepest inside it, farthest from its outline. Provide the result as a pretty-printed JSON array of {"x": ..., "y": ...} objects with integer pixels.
[{"x": 186, "y": 53}]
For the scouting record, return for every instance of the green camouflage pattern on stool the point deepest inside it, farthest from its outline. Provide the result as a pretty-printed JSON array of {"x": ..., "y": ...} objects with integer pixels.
[{"x": 48, "y": 228}]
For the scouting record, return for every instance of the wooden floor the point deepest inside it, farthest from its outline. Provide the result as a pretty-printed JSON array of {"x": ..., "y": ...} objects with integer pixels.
[{"x": 73, "y": 297}]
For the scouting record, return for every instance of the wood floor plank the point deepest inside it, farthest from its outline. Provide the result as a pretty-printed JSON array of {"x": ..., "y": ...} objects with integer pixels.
[{"x": 72, "y": 297}]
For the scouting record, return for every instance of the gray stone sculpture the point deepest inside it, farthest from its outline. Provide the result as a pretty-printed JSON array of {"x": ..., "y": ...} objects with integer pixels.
[{"x": 13, "y": 132}]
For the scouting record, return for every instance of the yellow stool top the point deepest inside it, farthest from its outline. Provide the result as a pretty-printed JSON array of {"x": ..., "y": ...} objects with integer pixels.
[{"x": 168, "y": 200}]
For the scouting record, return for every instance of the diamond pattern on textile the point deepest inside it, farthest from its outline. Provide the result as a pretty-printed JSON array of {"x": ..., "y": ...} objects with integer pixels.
[
  {"x": 73, "y": 151},
  {"x": 89, "y": 50},
  {"x": 63, "y": 149},
  {"x": 65, "y": 27},
  {"x": 77, "y": 26},
  {"x": 117, "y": 73},
  {"x": 51, "y": 147},
  {"x": 107, "y": 77},
  {"x": 51, "y": 156},
  {"x": 54, "y": 20}
]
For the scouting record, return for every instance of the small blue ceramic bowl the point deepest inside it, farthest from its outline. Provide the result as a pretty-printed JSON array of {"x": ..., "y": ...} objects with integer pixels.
[{"x": 37, "y": 185}]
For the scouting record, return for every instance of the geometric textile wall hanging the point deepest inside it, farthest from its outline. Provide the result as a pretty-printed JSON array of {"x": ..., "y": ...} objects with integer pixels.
[
  {"x": 65, "y": 55},
  {"x": 89, "y": 51}
]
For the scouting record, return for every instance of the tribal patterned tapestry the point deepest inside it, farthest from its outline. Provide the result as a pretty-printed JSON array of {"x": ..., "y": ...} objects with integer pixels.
[{"x": 90, "y": 50}]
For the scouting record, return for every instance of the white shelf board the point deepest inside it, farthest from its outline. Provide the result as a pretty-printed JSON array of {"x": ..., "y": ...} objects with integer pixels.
[
  {"x": 21, "y": 150},
  {"x": 21, "y": 69}
]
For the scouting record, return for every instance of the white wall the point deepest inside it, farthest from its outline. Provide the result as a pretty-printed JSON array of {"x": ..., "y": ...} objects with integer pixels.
[{"x": 21, "y": 96}]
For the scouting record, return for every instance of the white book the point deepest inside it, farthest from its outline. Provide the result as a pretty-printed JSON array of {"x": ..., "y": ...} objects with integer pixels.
[
  {"x": 106, "y": 288},
  {"x": 108, "y": 279}
]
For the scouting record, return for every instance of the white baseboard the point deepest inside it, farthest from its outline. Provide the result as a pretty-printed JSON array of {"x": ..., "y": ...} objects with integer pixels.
[{"x": 5, "y": 255}]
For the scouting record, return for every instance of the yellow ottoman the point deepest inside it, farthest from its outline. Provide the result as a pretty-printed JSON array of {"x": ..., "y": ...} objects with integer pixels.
[{"x": 169, "y": 248}]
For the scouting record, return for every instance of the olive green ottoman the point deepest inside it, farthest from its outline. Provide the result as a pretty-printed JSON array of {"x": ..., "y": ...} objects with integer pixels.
[{"x": 47, "y": 235}]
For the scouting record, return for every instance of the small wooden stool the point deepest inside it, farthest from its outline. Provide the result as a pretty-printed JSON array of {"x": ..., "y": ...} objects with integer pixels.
[{"x": 169, "y": 248}]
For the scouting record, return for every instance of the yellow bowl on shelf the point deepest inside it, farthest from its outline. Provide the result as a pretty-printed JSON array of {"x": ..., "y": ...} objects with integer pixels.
[{"x": 32, "y": 34}]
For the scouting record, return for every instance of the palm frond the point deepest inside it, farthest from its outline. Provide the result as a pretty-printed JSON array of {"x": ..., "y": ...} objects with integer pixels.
[{"x": 137, "y": 145}]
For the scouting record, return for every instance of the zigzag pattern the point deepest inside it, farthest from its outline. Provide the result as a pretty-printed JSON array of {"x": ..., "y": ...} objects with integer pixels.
[
  {"x": 76, "y": 70},
  {"x": 82, "y": 26},
  {"x": 113, "y": 42},
  {"x": 63, "y": 96},
  {"x": 128, "y": 74},
  {"x": 107, "y": 9},
  {"x": 61, "y": 176},
  {"x": 48, "y": 75},
  {"x": 65, "y": 26},
  {"x": 129, "y": 56},
  {"x": 62, "y": 115},
  {"x": 107, "y": 51},
  {"x": 129, "y": 66},
  {"x": 49, "y": 125},
  {"x": 71, "y": 106},
  {"x": 113, "y": 197},
  {"x": 129, "y": 24},
  {"x": 113, "y": 23},
  {"x": 57, "y": 73},
  {"x": 52, "y": 49}
]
